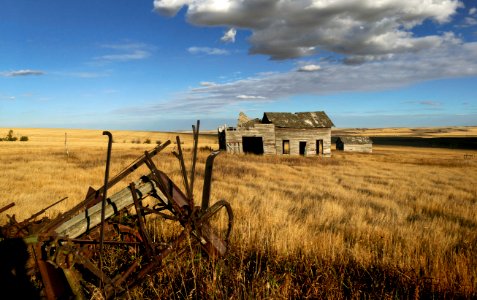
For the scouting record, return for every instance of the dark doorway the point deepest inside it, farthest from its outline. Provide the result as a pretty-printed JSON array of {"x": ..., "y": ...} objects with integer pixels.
[
  {"x": 319, "y": 147},
  {"x": 302, "y": 148},
  {"x": 252, "y": 144}
]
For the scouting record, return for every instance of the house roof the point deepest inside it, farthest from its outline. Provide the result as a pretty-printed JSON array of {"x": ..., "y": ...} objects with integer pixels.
[
  {"x": 359, "y": 140},
  {"x": 317, "y": 119}
]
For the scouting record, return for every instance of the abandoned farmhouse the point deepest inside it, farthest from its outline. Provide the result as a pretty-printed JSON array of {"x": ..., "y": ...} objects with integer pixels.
[{"x": 304, "y": 133}]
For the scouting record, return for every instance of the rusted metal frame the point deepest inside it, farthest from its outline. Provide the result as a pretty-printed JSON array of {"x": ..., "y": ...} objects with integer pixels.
[
  {"x": 43, "y": 210},
  {"x": 121, "y": 175},
  {"x": 166, "y": 189},
  {"x": 51, "y": 276},
  {"x": 7, "y": 207},
  {"x": 147, "y": 211},
  {"x": 110, "y": 290},
  {"x": 94, "y": 242},
  {"x": 204, "y": 218},
  {"x": 180, "y": 157},
  {"x": 94, "y": 269},
  {"x": 140, "y": 220},
  {"x": 103, "y": 202},
  {"x": 73, "y": 277},
  {"x": 156, "y": 261},
  {"x": 195, "y": 133},
  {"x": 208, "y": 179}
]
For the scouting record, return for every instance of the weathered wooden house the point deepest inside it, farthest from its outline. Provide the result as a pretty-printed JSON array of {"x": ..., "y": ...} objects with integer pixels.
[
  {"x": 304, "y": 133},
  {"x": 354, "y": 144}
]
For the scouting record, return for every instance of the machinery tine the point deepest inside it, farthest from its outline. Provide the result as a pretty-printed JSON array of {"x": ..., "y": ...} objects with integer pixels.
[
  {"x": 7, "y": 207},
  {"x": 180, "y": 156},
  {"x": 142, "y": 227},
  {"x": 195, "y": 133},
  {"x": 208, "y": 179}
]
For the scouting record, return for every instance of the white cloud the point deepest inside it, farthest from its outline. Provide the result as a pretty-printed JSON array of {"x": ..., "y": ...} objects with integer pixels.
[
  {"x": 468, "y": 21},
  {"x": 295, "y": 28},
  {"x": 207, "y": 50},
  {"x": 7, "y": 98},
  {"x": 125, "y": 52},
  {"x": 250, "y": 97},
  {"x": 472, "y": 11},
  {"x": 229, "y": 36},
  {"x": 309, "y": 68},
  {"x": 208, "y": 83},
  {"x": 134, "y": 55},
  {"x": 26, "y": 72}
]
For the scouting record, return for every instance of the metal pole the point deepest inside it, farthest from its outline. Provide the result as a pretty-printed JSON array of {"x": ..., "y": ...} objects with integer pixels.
[{"x": 103, "y": 204}]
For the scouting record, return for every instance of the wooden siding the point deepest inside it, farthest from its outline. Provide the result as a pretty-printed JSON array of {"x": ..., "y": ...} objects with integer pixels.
[
  {"x": 265, "y": 131},
  {"x": 310, "y": 136},
  {"x": 367, "y": 148}
]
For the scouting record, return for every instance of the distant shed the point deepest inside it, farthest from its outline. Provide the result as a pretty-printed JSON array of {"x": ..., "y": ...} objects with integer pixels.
[{"x": 354, "y": 144}]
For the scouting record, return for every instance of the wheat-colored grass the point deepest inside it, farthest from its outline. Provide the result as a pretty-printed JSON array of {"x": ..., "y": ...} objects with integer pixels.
[{"x": 399, "y": 222}]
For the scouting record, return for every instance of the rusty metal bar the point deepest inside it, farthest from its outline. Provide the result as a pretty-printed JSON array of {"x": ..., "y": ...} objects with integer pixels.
[
  {"x": 103, "y": 202},
  {"x": 7, "y": 207},
  {"x": 180, "y": 156},
  {"x": 195, "y": 133},
  {"x": 44, "y": 210},
  {"x": 142, "y": 227}
]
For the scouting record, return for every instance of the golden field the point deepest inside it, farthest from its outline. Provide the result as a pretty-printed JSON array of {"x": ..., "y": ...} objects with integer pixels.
[{"x": 398, "y": 223}]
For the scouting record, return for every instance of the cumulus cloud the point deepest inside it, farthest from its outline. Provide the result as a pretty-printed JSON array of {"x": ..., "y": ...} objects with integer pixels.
[
  {"x": 452, "y": 60},
  {"x": 472, "y": 11},
  {"x": 207, "y": 51},
  {"x": 26, "y": 72},
  {"x": 229, "y": 36},
  {"x": 296, "y": 28},
  {"x": 309, "y": 68}
]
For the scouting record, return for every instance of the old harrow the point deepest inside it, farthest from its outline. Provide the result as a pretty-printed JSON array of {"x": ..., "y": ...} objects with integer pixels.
[{"x": 75, "y": 254}]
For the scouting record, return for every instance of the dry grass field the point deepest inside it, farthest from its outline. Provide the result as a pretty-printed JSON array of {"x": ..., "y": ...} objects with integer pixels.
[{"x": 398, "y": 223}]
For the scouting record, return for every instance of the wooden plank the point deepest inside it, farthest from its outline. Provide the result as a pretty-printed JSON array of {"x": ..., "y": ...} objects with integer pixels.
[{"x": 91, "y": 217}]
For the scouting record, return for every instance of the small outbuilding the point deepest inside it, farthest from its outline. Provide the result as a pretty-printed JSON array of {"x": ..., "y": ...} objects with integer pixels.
[{"x": 354, "y": 144}]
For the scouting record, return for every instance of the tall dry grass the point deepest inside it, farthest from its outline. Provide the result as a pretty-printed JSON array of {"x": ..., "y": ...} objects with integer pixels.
[{"x": 398, "y": 223}]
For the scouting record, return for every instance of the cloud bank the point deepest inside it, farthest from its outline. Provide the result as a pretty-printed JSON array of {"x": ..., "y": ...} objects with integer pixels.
[
  {"x": 285, "y": 29},
  {"x": 26, "y": 72},
  {"x": 452, "y": 60}
]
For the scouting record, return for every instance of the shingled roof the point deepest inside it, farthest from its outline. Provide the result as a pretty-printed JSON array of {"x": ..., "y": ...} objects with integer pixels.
[
  {"x": 357, "y": 140},
  {"x": 317, "y": 119}
]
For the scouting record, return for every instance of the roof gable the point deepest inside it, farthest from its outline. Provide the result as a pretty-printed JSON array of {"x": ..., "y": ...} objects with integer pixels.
[{"x": 317, "y": 119}]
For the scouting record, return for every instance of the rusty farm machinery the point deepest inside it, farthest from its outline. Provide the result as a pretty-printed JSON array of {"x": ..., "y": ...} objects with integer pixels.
[{"x": 69, "y": 256}]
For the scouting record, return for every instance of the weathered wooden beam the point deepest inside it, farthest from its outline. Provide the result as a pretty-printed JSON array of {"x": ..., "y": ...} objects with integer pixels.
[{"x": 91, "y": 217}]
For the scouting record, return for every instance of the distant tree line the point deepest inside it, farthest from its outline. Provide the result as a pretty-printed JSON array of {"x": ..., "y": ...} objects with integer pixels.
[{"x": 11, "y": 138}]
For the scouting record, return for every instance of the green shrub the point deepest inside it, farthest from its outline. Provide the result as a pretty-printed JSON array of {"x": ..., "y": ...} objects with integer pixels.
[
  {"x": 147, "y": 141},
  {"x": 23, "y": 138}
]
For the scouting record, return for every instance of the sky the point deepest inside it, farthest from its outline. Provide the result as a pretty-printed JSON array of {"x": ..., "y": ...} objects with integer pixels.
[{"x": 162, "y": 64}]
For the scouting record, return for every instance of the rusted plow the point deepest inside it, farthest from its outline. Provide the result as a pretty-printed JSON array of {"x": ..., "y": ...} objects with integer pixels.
[{"x": 104, "y": 244}]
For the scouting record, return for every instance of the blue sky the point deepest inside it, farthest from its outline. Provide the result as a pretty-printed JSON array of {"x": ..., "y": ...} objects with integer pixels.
[{"x": 161, "y": 65}]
